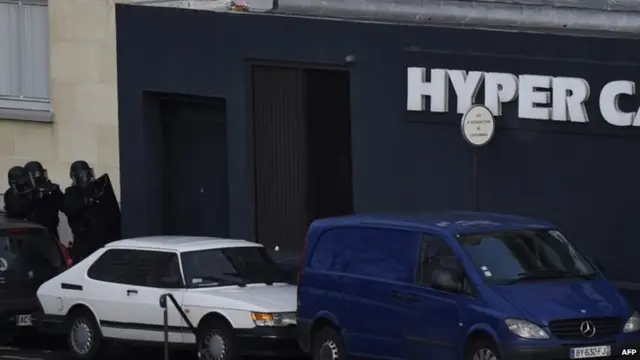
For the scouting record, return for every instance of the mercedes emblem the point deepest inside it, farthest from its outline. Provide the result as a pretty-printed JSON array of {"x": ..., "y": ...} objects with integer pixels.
[{"x": 587, "y": 329}]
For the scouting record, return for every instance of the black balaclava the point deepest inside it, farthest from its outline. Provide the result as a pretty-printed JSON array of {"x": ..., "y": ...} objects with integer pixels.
[
  {"x": 37, "y": 175},
  {"x": 81, "y": 173},
  {"x": 17, "y": 178}
]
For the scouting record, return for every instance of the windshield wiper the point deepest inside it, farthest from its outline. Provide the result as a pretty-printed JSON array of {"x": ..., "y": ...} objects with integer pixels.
[
  {"x": 228, "y": 279},
  {"x": 249, "y": 280},
  {"x": 549, "y": 274}
]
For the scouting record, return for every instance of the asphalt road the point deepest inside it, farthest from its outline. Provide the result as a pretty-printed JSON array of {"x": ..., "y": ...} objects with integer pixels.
[{"x": 54, "y": 349}]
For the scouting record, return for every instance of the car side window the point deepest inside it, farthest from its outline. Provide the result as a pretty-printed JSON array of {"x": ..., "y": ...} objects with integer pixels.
[
  {"x": 434, "y": 252},
  {"x": 115, "y": 266},
  {"x": 157, "y": 269}
]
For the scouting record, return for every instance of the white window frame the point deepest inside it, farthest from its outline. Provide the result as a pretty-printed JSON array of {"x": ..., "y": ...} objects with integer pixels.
[{"x": 21, "y": 107}]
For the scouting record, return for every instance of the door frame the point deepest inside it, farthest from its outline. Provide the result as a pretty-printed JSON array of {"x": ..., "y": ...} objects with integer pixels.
[{"x": 249, "y": 119}]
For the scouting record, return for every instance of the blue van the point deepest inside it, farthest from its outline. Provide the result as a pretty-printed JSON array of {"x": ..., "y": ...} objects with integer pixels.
[{"x": 463, "y": 286}]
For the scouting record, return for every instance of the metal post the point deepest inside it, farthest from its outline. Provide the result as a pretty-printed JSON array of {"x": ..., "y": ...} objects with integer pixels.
[
  {"x": 165, "y": 314},
  {"x": 476, "y": 195}
]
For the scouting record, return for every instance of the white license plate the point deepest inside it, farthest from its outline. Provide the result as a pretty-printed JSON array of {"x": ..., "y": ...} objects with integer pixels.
[
  {"x": 590, "y": 352},
  {"x": 23, "y": 320}
]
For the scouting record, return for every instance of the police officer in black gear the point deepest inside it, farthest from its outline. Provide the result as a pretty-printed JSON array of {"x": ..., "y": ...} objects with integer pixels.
[
  {"x": 17, "y": 202},
  {"x": 46, "y": 197},
  {"x": 92, "y": 210},
  {"x": 81, "y": 173}
]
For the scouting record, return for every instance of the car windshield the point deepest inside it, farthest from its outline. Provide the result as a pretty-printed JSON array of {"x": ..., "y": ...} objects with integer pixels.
[
  {"x": 230, "y": 266},
  {"x": 528, "y": 255}
]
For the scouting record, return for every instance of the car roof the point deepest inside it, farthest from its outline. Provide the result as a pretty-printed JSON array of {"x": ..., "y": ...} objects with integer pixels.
[
  {"x": 10, "y": 223},
  {"x": 453, "y": 222},
  {"x": 179, "y": 243}
]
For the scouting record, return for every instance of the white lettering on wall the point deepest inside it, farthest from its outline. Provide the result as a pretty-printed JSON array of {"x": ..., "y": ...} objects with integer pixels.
[
  {"x": 569, "y": 96},
  {"x": 534, "y": 96},
  {"x": 609, "y": 103},
  {"x": 466, "y": 87},
  {"x": 499, "y": 88},
  {"x": 539, "y": 97},
  {"x": 419, "y": 88}
]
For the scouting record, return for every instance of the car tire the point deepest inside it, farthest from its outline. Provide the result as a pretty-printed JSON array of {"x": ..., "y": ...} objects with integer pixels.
[
  {"x": 84, "y": 336},
  {"x": 216, "y": 341},
  {"x": 484, "y": 350},
  {"x": 327, "y": 345}
]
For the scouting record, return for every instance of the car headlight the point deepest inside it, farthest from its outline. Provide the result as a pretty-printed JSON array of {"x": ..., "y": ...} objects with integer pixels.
[
  {"x": 525, "y": 329},
  {"x": 633, "y": 323},
  {"x": 274, "y": 319}
]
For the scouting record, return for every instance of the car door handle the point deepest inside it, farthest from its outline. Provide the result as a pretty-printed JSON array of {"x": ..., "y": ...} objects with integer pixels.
[
  {"x": 397, "y": 295},
  {"x": 131, "y": 291},
  {"x": 411, "y": 297}
]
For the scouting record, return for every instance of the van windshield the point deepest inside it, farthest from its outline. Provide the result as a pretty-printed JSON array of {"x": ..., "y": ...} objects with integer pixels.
[{"x": 527, "y": 255}]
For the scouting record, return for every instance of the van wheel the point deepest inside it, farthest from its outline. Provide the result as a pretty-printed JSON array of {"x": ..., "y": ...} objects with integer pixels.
[
  {"x": 327, "y": 345},
  {"x": 84, "y": 335},
  {"x": 483, "y": 350},
  {"x": 216, "y": 341}
]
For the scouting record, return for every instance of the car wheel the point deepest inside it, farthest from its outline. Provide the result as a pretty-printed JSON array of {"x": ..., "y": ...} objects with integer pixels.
[
  {"x": 482, "y": 350},
  {"x": 216, "y": 341},
  {"x": 328, "y": 345},
  {"x": 84, "y": 335}
]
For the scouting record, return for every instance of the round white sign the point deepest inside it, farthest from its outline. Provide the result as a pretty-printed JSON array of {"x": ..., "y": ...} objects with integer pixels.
[
  {"x": 4, "y": 265},
  {"x": 478, "y": 125}
]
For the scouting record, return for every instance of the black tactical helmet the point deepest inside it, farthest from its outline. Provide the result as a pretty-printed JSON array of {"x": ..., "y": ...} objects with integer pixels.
[
  {"x": 16, "y": 175},
  {"x": 81, "y": 173},
  {"x": 36, "y": 173}
]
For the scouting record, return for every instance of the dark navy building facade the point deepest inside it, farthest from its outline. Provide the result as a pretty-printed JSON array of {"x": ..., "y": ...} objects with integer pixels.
[{"x": 205, "y": 150}]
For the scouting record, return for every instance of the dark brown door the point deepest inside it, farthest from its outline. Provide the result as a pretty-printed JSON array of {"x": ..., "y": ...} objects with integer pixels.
[{"x": 280, "y": 156}]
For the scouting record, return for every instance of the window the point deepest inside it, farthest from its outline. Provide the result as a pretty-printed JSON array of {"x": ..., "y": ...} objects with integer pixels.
[
  {"x": 115, "y": 266},
  {"x": 24, "y": 59},
  {"x": 28, "y": 256},
  {"x": 230, "y": 266},
  {"x": 526, "y": 255},
  {"x": 370, "y": 252},
  {"x": 138, "y": 267},
  {"x": 434, "y": 253},
  {"x": 158, "y": 269}
]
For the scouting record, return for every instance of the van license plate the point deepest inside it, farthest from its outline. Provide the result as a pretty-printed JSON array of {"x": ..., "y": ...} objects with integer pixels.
[
  {"x": 590, "y": 352},
  {"x": 23, "y": 320}
]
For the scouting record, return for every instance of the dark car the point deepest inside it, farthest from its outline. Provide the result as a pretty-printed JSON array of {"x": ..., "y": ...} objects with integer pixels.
[
  {"x": 29, "y": 256},
  {"x": 289, "y": 262}
]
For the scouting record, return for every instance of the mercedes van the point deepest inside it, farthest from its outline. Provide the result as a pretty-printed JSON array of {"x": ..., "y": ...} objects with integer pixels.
[{"x": 456, "y": 286}]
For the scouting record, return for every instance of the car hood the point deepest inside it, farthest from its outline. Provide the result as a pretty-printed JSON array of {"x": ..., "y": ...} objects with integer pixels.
[
  {"x": 254, "y": 297},
  {"x": 542, "y": 302}
]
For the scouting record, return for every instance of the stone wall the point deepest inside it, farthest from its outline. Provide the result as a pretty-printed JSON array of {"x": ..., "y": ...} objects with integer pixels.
[{"x": 83, "y": 98}]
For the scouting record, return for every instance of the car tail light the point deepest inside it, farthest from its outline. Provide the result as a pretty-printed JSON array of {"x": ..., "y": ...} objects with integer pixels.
[
  {"x": 15, "y": 231},
  {"x": 65, "y": 253}
]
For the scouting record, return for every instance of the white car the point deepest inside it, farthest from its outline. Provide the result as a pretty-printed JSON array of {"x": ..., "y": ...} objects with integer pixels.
[{"x": 231, "y": 292}]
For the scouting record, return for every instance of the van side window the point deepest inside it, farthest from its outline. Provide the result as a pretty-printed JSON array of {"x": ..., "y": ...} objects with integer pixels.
[
  {"x": 331, "y": 252},
  {"x": 385, "y": 254},
  {"x": 434, "y": 252}
]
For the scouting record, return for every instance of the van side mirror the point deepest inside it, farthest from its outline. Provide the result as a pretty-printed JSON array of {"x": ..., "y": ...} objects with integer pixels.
[{"x": 446, "y": 280}]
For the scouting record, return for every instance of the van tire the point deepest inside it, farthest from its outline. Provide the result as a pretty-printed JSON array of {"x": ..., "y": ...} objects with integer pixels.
[
  {"x": 83, "y": 324},
  {"x": 327, "y": 345},
  {"x": 482, "y": 345}
]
